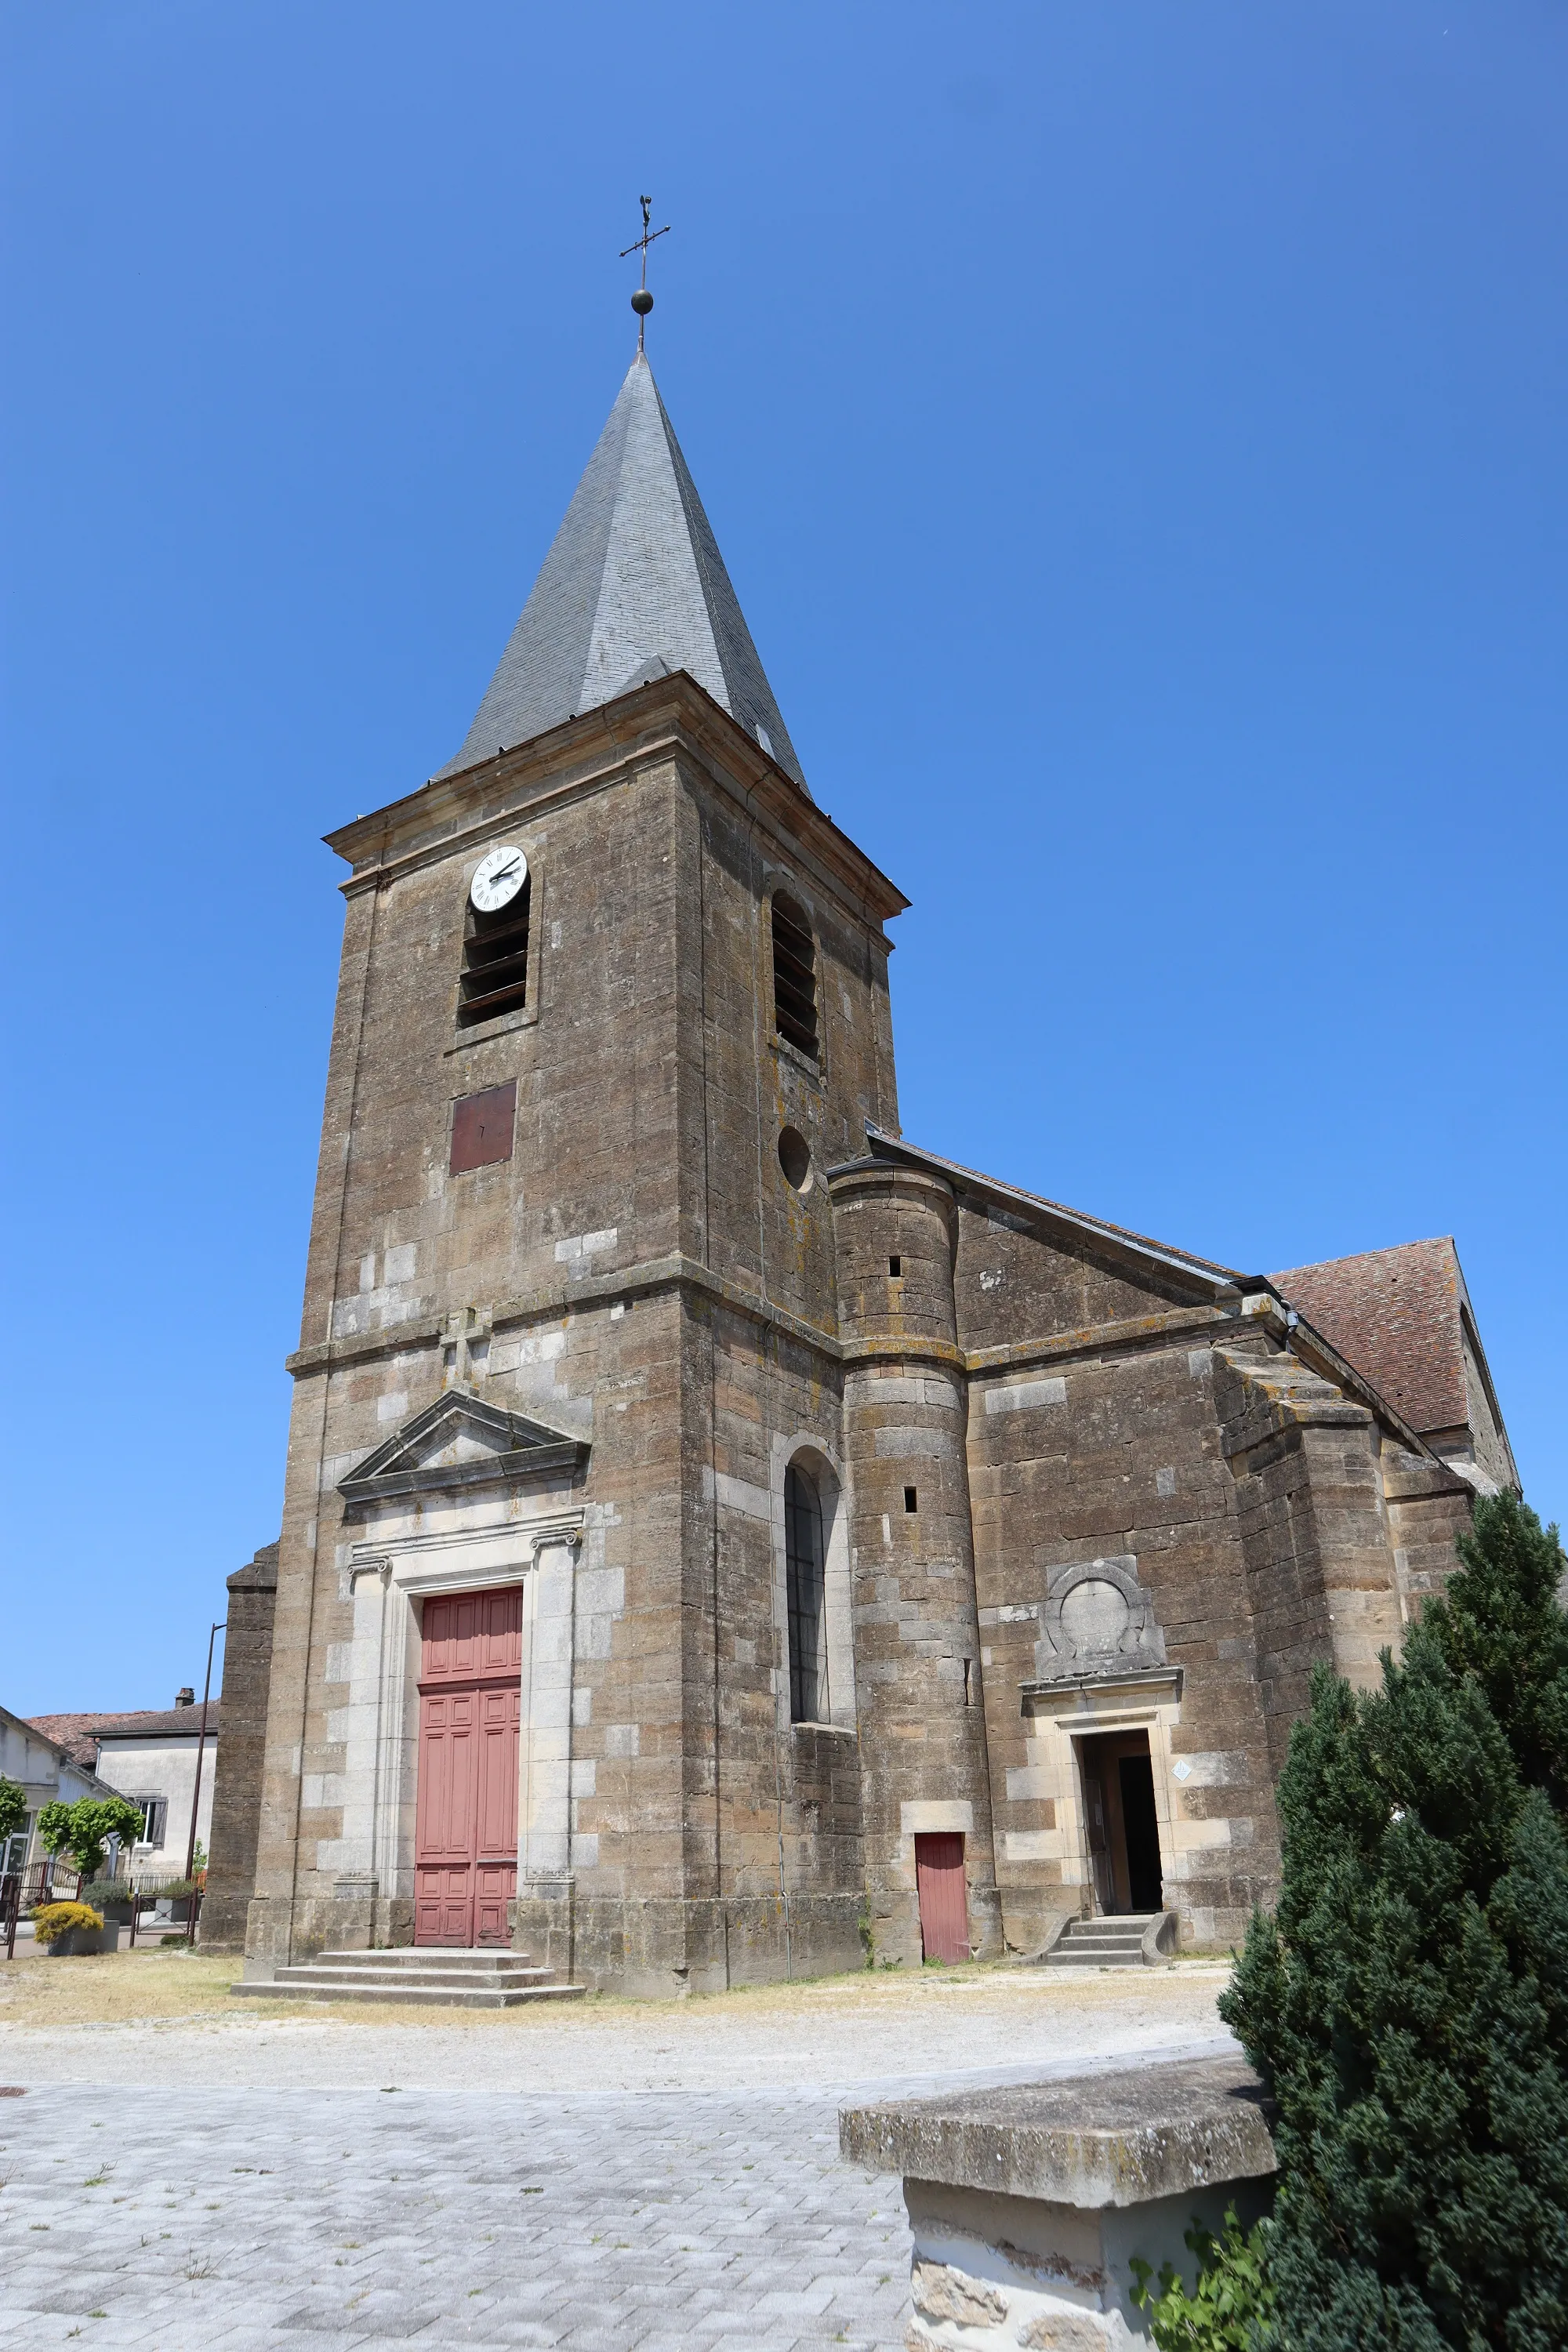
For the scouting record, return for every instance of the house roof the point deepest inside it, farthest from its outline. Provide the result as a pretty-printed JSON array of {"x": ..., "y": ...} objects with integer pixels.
[
  {"x": 160, "y": 1722},
  {"x": 69, "y": 1734},
  {"x": 77, "y": 1736},
  {"x": 634, "y": 587},
  {"x": 1397, "y": 1315}
]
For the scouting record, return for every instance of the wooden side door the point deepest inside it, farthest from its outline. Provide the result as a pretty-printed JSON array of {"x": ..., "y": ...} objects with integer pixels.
[{"x": 944, "y": 1896}]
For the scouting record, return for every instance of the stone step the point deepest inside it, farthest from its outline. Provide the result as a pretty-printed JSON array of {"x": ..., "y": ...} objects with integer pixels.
[
  {"x": 462, "y": 1979},
  {"x": 474, "y": 1960},
  {"x": 302, "y": 1986},
  {"x": 491, "y": 1977},
  {"x": 1106, "y": 1943}
]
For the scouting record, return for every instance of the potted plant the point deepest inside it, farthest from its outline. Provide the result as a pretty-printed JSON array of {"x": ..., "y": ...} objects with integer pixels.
[
  {"x": 72, "y": 1930},
  {"x": 112, "y": 1896}
]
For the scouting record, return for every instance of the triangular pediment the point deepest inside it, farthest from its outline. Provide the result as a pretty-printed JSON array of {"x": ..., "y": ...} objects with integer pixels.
[{"x": 461, "y": 1440}]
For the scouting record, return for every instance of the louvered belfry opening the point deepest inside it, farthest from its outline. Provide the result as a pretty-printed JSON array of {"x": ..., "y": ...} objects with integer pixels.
[
  {"x": 495, "y": 960},
  {"x": 795, "y": 975}
]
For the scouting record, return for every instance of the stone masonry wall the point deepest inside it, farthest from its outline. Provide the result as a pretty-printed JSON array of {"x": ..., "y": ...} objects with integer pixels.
[
  {"x": 584, "y": 1281},
  {"x": 236, "y": 1774}
]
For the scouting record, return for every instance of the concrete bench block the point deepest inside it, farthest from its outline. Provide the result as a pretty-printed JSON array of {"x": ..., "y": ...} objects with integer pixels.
[{"x": 1028, "y": 2203}]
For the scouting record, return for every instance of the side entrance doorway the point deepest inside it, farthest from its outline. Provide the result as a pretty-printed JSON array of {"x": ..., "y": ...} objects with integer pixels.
[
  {"x": 1124, "y": 1826},
  {"x": 470, "y": 1704},
  {"x": 943, "y": 1898}
]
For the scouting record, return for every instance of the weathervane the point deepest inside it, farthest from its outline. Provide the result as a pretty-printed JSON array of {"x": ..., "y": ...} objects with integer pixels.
[{"x": 642, "y": 300}]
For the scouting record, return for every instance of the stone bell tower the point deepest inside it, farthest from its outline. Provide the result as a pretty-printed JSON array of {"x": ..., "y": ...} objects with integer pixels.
[{"x": 612, "y": 999}]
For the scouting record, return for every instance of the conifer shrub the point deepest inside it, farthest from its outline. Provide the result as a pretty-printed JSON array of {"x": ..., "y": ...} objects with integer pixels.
[{"x": 1407, "y": 2004}]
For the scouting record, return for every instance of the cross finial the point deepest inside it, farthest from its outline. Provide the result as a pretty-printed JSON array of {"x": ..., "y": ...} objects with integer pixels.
[{"x": 642, "y": 300}]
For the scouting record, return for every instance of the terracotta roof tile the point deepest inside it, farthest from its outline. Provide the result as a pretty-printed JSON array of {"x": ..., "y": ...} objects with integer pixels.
[
  {"x": 79, "y": 1734},
  {"x": 1394, "y": 1314}
]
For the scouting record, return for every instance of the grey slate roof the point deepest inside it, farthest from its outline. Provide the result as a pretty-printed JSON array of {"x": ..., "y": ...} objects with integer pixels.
[{"x": 633, "y": 588}]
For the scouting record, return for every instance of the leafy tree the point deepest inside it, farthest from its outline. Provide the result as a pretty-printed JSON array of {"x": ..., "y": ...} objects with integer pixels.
[
  {"x": 13, "y": 1808},
  {"x": 1407, "y": 2006},
  {"x": 83, "y": 1829}
]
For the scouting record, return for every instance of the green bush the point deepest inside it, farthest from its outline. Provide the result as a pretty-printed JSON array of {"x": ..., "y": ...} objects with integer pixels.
[
  {"x": 1231, "y": 2305},
  {"x": 1407, "y": 2006},
  {"x": 13, "y": 1808}
]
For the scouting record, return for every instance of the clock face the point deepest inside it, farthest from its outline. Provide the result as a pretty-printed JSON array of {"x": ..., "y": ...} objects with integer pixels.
[{"x": 501, "y": 875}]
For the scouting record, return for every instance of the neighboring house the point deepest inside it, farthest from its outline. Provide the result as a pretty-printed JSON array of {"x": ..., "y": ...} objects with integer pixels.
[
  {"x": 46, "y": 1769},
  {"x": 151, "y": 1758}
]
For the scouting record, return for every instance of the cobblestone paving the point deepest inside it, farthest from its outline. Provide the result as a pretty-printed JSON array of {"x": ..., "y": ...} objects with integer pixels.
[{"x": 305, "y": 2219}]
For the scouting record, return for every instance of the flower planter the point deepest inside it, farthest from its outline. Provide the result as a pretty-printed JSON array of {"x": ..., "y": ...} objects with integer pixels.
[{"x": 82, "y": 1942}]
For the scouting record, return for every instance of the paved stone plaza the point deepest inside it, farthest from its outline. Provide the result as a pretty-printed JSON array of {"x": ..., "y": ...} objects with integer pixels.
[
  {"x": 648, "y": 2175},
  {"x": 316, "y": 2219}
]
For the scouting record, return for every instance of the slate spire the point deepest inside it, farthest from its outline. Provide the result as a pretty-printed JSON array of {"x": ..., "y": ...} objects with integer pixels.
[{"x": 634, "y": 587}]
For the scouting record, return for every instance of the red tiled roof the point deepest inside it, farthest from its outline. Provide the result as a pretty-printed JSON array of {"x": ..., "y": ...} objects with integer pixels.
[
  {"x": 1394, "y": 1314},
  {"x": 70, "y": 1732},
  {"x": 78, "y": 1734}
]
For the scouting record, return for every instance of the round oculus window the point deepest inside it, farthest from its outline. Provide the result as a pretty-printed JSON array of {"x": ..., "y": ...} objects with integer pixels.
[{"x": 795, "y": 1158}]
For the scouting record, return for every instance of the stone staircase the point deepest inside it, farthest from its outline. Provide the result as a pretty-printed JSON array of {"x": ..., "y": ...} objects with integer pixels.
[
  {"x": 495, "y": 1979},
  {"x": 1113, "y": 1942}
]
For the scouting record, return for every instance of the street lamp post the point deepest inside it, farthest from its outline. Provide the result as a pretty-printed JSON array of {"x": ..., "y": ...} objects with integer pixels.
[{"x": 193, "y": 1900}]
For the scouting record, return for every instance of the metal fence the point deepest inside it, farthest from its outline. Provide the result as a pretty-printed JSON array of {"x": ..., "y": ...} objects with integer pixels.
[{"x": 51, "y": 1881}]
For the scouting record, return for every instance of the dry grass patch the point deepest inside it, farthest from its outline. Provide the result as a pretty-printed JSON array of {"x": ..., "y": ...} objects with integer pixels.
[
  {"x": 115, "y": 1988},
  {"x": 171, "y": 1985}
]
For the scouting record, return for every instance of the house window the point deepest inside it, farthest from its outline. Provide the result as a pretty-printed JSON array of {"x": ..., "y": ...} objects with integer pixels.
[
  {"x": 795, "y": 975},
  {"x": 13, "y": 1852},
  {"x": 495, "y": 956},
  {"x": 154, "y": 1818},
  {"x": 804, "y": 1579}
]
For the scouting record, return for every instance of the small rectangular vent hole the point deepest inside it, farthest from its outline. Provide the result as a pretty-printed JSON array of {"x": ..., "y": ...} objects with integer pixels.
[
  {"x": 895, "y": 1267},
  {"x": 911, "y": 1502}
]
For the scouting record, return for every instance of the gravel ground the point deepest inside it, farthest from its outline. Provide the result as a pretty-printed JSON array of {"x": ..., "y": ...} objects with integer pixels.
[{"x": 840, "y": 2030}]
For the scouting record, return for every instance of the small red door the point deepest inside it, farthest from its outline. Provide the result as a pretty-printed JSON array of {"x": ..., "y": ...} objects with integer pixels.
[
  {"x": 471, "y": 1705},
  {"x": 945, "y": 1904}
]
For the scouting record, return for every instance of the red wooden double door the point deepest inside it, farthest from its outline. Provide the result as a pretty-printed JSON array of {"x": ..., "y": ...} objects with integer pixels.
[{"x": 471, "y": 1703}]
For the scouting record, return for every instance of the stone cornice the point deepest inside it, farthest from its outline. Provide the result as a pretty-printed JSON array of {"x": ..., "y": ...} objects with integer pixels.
[
  {"x": 670, "y": 716},
  {"x": 674, "y": 1272}
]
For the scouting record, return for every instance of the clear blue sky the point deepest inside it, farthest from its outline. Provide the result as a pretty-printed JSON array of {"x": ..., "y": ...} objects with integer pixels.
[{"x": 1136, "y": 434}]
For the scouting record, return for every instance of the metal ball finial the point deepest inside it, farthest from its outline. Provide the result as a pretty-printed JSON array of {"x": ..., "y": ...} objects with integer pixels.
[{"x": 642, "y": 301}]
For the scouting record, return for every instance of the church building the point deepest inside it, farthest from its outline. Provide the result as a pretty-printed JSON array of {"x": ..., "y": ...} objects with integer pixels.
[{"x": 721, "y": 1537}]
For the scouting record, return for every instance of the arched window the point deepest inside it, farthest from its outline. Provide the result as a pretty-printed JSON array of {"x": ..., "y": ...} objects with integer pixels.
[
  {"x": 795, "y": 975},
  {"x": 804, "y": 1575}
]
